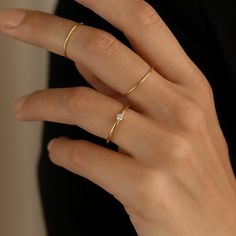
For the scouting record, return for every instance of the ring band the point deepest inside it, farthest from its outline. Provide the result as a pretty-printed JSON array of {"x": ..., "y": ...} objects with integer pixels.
[
  {"x": 68, "y": 38},
  {"x": 119, "y": 118},
  {"x": 139, "y": 82}
]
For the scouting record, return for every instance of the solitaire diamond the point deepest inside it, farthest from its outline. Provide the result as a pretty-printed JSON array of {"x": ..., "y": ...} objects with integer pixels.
[{"x": 119, "y": 117}]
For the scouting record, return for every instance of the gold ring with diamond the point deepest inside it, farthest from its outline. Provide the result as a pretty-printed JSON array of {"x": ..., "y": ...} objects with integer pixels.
[{"x": 119, "y": 118}]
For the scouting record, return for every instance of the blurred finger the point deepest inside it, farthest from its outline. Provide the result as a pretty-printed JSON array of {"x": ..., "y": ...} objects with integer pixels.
[{"x": 113, "y": 171}]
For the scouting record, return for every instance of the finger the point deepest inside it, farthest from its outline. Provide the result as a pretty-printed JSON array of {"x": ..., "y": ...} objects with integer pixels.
[
  {"x": 94, "y": 81},
  {"x": 100, "y": 85},
  {"x": 92, "y": 111},
  {"x": 149, "y": 36},
  {"x": 117, "y": 173},
  {"x": 107, "y": 58}
]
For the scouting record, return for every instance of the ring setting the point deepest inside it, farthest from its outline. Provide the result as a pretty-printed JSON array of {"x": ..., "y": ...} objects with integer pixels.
[{"x": 119, "y": 117}]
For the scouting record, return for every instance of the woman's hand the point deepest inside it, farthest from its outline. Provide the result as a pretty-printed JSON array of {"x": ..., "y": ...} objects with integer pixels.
[{"x": 173, "y": 175}]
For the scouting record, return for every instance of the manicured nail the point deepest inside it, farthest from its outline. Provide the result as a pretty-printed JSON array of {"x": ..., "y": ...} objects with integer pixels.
[
  {"x": 11, "y": 18},
  {"x": 19, "y": 103}
]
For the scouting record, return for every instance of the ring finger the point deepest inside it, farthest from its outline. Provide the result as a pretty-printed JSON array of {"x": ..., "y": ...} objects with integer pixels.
[{"x": 95, "y": 113}]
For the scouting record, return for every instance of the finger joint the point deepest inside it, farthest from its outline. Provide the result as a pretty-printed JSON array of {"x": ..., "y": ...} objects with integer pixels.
[
  {"x": 146, "y": 14},
  {"x": 79, "y": 99},
  {"x": 104, "y": 43}
]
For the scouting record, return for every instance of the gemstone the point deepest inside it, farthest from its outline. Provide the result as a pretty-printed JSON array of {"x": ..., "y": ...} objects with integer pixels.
[{"x": 119, "y": 117}]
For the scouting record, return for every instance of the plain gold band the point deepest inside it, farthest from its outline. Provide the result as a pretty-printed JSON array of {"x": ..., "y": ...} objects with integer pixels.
[
  {"x": 68, "y": 38},
  {"x": 116, "y": 124},
  {"x": 138, "y": 83}
]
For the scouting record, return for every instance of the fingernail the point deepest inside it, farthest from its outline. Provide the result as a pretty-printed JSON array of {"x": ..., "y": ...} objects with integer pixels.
[
  {"x": 50, "y": 144},
  {"x": 11, "y": 18},
  {"x": 19, "y": 103}
]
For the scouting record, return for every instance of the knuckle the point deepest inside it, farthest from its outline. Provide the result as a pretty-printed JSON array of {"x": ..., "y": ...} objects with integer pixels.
[
  {"x": 146, "y": 14},
  {"x": 147, "y": 186},
  {"x": 105, "y": 44},
  {"x": 204, "y": 91},
  {"x": 180, "y": 148},
  {"x": 195, "y": 118},
  {"x": 207, "y": 89},
  {"x": 78, "y": 99},
  {"x": 182, "y": 156},
  {"x": 154, "y": 189},
  {"x": 203, "y": 88},
  {"x": 190, "y": 114}
]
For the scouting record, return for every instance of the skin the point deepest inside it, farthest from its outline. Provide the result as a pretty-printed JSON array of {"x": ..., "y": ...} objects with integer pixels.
[{"x": 172, "y": 172}]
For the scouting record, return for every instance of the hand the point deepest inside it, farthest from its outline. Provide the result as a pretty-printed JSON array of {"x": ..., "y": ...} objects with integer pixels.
[{"x": 173, "y": 175}]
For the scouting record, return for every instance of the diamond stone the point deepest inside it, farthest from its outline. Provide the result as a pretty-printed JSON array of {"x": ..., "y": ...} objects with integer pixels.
[{"x": 119, "y": 117}]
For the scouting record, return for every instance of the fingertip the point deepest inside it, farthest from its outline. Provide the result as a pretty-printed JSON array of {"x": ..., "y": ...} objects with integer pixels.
[
  {"x": 11, "y": 18},
  {"x": 51, "y": 144},
  {"x": 19, "y": 103}
]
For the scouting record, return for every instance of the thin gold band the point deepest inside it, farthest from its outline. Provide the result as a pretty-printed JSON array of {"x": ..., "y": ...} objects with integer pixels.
[
  {"x": 138, "y": 83},
  {"x": 68, "y": 38},
  {"x": 119, "y": 118}
]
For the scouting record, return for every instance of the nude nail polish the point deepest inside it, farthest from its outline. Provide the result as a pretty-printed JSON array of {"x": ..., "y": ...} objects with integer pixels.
[
  {"x": 11, "y": 18},
  {"x": 19, "y": 103}
]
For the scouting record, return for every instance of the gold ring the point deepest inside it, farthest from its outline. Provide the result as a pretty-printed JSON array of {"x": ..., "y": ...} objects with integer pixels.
[
  {"x": 119, "y": 118},
  {"x": 139, "y": 82},
  {"x": 68, "y": 38}
]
